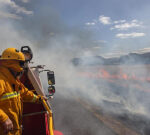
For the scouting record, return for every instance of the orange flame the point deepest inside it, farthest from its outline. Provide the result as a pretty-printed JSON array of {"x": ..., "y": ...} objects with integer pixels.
[{"x": 105, "y": 75}]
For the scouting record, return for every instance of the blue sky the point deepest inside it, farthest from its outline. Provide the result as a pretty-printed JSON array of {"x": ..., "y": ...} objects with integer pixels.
[
  {"x": 115, "y": 25},
  {"x": 87, "y": 11},
  {"x": 113, "y": 22}
]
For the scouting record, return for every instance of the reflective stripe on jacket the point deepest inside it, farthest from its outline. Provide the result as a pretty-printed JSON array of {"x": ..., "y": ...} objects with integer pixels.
[
  {"x": 12, "y": 94},
  {"x": 9, "y": 95}
]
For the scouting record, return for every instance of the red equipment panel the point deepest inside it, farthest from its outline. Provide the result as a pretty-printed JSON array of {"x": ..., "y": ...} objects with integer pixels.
[{"x": 35, "y": 120}]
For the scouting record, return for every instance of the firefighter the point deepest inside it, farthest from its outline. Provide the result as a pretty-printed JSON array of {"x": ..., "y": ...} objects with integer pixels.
[{"x": 12, "y": 92}]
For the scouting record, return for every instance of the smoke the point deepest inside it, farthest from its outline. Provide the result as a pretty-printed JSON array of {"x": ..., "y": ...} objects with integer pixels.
[{"x": 38, "y": 25}]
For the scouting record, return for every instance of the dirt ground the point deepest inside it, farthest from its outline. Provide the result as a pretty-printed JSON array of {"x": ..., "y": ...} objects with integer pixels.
[{"x": 78, "y": 117}]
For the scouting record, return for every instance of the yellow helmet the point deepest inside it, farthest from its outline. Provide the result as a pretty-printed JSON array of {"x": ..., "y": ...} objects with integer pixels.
[{"x": 12, "y": 54}]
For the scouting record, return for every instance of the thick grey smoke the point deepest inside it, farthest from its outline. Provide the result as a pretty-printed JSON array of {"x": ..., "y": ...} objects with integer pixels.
[{"x": 54, "y": 44}]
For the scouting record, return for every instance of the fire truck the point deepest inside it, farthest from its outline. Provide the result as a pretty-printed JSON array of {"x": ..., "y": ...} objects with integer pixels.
[{"x": 37, "y": 118}]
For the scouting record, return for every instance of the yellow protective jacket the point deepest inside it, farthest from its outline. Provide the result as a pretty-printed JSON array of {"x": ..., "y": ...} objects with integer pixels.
[{"x": 12, "y": 94}]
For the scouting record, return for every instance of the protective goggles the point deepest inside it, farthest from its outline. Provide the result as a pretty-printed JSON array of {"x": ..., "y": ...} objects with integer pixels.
[{"x": 21, "y": 63}]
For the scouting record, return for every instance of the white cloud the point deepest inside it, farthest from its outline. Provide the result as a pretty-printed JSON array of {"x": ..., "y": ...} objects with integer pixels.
[
  {"x": 96, "y": 47},
  {"x": 119, "y": 21},
  {"x": 130, "y": 35},
  {"x": 134, "y": 21},
  {"x": 9, "y": 15},
  {"x": 13, "y": 5},
  {"x": 90, "y": 23},
  {"x": 100, "y": 41},
  {"x": 126, "y": 25},
  {"x": 105, "y": 20},
  {"x": 25, "y": 1}
]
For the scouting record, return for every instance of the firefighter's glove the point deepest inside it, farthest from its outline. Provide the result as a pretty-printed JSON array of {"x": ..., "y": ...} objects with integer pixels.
[{"x": 41, "y": 98}]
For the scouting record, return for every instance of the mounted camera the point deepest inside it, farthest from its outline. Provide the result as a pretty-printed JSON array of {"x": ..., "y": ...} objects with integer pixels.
[{"x": 26, "y": 50}]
